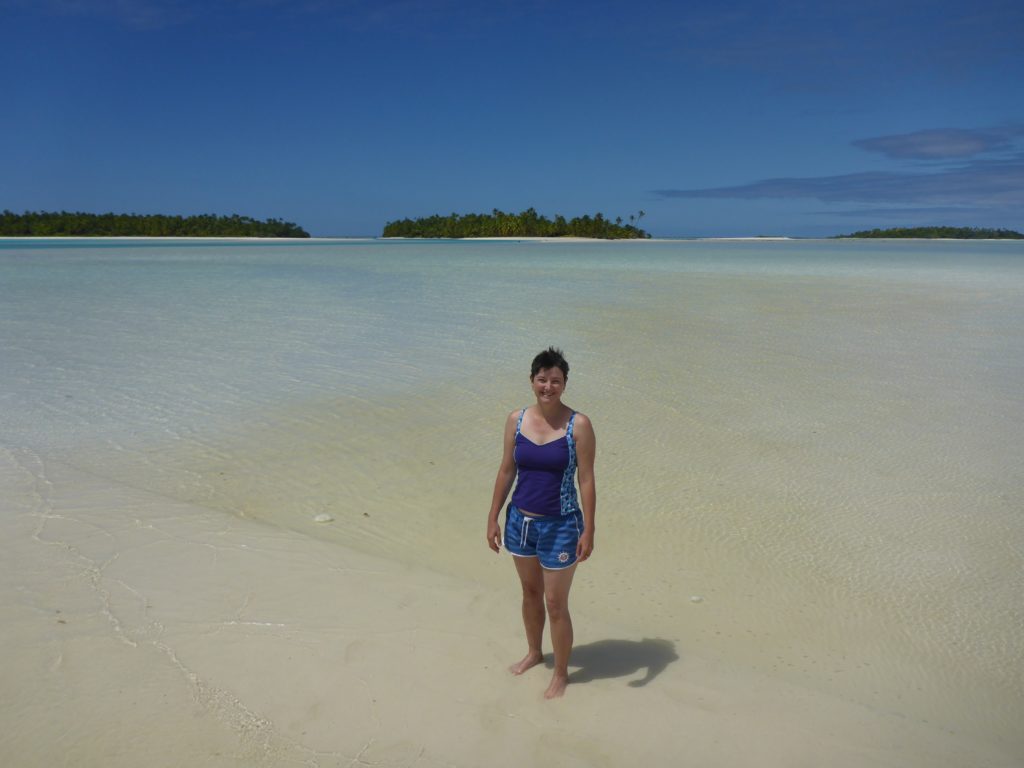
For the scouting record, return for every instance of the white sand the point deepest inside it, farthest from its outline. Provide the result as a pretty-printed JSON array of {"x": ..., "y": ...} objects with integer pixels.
[
  {"x": 164, "y": 634},
  {"x": 524, "y": 239},
  {"x": 179, "y": 238}
]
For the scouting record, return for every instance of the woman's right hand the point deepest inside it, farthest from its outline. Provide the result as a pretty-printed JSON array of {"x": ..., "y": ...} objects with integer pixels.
[{"x": 494, "y": 535}]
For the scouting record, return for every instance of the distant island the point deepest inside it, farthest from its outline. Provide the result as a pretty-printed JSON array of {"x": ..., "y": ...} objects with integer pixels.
[
  {"x": 526, "y": 224},
  {"x": 953, "y": 233},
  {"x": 64, "y": 224}
]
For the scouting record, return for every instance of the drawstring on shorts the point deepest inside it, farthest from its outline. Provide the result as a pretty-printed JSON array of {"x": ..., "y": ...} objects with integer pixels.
[{"x": 524, "y": 530}]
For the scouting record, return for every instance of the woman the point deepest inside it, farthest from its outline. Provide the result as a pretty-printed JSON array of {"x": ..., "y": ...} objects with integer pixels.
[{"x": 545, "y": 527}]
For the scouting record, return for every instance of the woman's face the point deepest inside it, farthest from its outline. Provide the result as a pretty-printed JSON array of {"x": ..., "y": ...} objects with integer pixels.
[{"x": 548, "y": 385}]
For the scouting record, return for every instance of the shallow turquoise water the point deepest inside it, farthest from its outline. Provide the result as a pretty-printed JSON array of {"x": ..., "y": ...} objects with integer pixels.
[{"x": 208, "y": 328}]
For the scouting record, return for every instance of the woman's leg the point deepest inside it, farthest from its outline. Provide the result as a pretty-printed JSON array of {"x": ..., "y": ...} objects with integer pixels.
[
  {"x": 556, "y": 597},
  {"x": 532, "y": 578}
]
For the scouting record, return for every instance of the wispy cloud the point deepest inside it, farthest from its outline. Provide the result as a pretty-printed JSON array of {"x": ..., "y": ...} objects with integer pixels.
[
  {"x": 866, "y": 217},
  {"x": 141, "y": 14},
  {"x": 942, "y": 143},
  {"x": 402, "y": 15},
  {"x": 814, "y": 42},
  {"x": 972, "y": 168},
  {"x": 978, "y": 183},
  {"x": 905, "y": 213}
]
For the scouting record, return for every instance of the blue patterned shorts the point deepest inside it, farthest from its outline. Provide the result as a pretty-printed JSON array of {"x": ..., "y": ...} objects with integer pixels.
[{"x": 552, "y": 540}]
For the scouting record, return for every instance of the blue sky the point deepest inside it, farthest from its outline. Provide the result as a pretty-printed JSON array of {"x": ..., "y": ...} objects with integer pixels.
[{"x": 715, "y": 118}]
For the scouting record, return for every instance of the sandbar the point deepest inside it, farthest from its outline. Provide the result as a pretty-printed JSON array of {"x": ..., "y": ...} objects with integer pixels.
[{"x": 145, "y": 631}]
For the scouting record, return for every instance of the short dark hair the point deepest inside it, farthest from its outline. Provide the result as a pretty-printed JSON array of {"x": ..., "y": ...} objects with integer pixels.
[{"x": 549, "y": 358}]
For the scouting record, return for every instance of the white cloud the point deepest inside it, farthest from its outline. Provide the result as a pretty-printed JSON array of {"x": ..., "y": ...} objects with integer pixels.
[
  {"x": 977, "y": 183},
  {"x": 942, "y": 143}
]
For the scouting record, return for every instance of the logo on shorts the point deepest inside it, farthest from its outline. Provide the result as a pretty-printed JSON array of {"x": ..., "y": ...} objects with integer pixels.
[{"x": 563, "y": 557}]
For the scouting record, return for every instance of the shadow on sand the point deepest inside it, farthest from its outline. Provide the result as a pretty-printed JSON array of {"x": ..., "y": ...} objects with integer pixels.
[{"x": 621, "y": 658}]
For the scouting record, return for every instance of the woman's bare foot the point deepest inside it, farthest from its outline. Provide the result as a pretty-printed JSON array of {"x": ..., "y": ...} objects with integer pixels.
[
  {"x": 557, "y": 687},
  {"x": 532, "y": 659}
]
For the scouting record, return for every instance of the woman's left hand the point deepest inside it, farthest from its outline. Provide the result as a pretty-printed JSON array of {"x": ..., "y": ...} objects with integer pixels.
[{"x": 585, "y": 546}]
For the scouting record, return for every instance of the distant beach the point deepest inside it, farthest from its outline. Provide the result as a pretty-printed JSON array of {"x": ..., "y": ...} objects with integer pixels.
[{"x": 101, "y": 238}]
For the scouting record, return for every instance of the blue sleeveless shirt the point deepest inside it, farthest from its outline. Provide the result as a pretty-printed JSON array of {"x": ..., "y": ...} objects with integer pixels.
[{"x": 545, "y": 483}]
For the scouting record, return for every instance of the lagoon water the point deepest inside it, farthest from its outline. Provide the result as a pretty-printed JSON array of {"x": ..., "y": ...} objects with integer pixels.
[{"x": 819, "y": 439}]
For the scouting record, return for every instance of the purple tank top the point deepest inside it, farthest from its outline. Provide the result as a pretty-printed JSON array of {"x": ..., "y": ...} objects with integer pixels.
[{"x": 545, "y": 483}]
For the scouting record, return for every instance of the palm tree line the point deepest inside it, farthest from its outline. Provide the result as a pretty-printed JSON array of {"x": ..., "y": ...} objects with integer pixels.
[
  {"x": 527, "y": 223},
  {"x": 77, "y": 224}
]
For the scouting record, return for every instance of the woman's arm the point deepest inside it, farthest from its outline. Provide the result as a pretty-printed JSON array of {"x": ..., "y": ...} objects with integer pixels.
[
  {"x": 503, "y": 482},
  {"x": 586, "y": 448}
]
